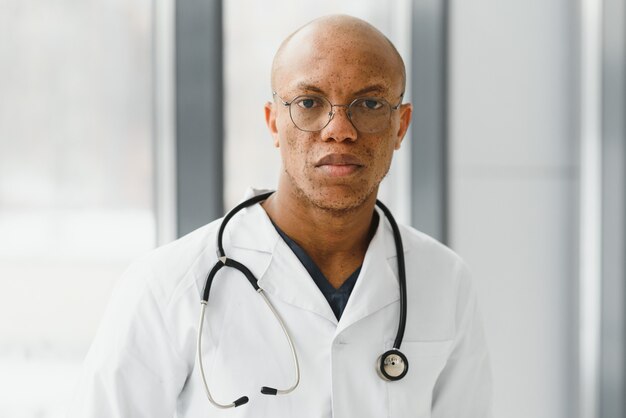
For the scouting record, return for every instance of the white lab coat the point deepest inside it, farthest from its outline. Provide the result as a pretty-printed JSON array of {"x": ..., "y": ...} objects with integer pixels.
[{"x": 142, "y": 361}]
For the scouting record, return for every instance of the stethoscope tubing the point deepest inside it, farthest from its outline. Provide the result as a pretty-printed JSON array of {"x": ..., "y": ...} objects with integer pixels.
[
  {"x": 401, "y": 273},
  {"x": 271, "y": 391},
  {"x": 229, "y": 262}
]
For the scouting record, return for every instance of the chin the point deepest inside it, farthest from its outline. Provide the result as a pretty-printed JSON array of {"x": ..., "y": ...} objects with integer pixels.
[
  {"x": 332, "y": 196},
  {"x": 334, "y": 199}
]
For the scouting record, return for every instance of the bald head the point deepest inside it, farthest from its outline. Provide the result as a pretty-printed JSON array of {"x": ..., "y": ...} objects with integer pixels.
[{"x": 339, "y": 37}]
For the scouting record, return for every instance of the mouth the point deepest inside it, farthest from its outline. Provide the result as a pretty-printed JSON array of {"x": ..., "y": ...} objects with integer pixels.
[{"x": 339, "y": 165}]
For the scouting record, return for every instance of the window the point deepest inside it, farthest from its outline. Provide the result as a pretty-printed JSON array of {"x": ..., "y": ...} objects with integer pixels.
[{"x": 76, "y": 183}]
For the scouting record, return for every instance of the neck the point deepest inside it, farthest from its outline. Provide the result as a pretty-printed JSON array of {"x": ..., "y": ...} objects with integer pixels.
[{"x": 335, "y": 240}]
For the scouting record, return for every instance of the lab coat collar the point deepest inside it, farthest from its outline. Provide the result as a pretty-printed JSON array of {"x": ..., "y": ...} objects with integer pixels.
[
  {"x": 285, "y": 277},
  {"x": 252, "y": 229},
  {"x": 278, "y": 270},
  {"x": 377, "y": 284}
]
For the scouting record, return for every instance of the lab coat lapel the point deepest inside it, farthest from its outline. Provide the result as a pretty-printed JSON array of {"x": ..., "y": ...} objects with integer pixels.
[
  {"x": 287, "y": 279},
  {"x": 377, "y": 284},
  {"x": 284, "y": 276},
  {"x": 252, "y": 229}
]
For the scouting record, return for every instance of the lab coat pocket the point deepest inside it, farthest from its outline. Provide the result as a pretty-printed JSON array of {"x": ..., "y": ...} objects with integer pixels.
[{"x": 412, "y": 395}]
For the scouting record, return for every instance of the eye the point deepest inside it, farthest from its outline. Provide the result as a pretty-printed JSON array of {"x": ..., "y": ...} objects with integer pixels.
[
  {"x": 372, "y": 104},
  {"x": 308, "y": 102}
]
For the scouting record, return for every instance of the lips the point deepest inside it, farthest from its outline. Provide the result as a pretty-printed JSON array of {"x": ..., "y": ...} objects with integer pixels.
[
  {"x": 339, "y": 165},
  {"x": 338, "y": 159}
]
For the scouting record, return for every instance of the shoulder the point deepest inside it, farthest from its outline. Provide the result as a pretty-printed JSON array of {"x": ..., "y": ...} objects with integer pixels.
[
  {"x": 152, "y": 307},
  {"x": 434, "y": 266},
  {"x": 439, "y": 286},
  {"x": 421, "y": 246},
  {"x": 174, "y": 268}
]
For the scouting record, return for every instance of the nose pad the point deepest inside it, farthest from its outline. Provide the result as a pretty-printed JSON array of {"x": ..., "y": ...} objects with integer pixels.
[
  {"x": 341, "y": 134},
  {"x": 332, "y": 113}
]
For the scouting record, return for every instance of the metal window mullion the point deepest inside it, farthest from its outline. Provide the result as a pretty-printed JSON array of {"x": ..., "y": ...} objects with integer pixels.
[
  {"x": 199, "y": 113},
  {"x": 590, "y": 206},
  {"x": 429, "y": 188},
  {"x": 164, "y": 121},
  {"x": 612, "y": 361}
]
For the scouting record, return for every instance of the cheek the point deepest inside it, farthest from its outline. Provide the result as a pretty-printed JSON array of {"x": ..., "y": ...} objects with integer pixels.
[
  {"x": 383, "y": 148},
  {"x": 381, "y": 157},
  {"x": 384, "y": 157},
  {"x": 293, "y": 148}
]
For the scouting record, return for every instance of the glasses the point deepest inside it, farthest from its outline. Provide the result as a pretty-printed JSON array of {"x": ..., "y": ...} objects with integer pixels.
[{"x": 313, "y": 113}]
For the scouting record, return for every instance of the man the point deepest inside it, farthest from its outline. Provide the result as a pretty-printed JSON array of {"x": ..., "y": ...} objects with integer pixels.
[{"x": 326, "y": 261}]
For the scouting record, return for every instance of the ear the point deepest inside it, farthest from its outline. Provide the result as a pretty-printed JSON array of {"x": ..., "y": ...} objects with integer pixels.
[
  {"x": 270, "y": 121},
  {"x": 406, "y": 110}
]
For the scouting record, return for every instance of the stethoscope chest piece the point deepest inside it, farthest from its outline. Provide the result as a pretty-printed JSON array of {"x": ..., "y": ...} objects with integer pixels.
[{"x": 392, "y": 365}]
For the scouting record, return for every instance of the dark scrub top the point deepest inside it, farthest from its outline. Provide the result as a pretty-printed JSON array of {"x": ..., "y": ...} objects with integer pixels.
[{"x": 337, "y": 298}]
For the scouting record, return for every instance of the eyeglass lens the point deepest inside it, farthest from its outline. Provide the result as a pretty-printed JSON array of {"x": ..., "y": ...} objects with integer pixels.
[{"x": 313, "y": 113}]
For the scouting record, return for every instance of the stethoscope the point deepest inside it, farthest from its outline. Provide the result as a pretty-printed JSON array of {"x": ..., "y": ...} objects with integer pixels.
[{"x": 391, "y": 365}]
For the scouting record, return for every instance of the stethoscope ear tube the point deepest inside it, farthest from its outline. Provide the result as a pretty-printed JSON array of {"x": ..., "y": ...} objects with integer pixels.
[
  {"x": 268, "y": 390},
  {"x": 241, "y": 401},
  {"x": 205, "y": 299},
  {"x": 229, "y": 262}
]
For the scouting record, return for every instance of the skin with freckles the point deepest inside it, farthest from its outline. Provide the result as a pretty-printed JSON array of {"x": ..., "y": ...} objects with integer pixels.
[{"x": 329, "y": 179}]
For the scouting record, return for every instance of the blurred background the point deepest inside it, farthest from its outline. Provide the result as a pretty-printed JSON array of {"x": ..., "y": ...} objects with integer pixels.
[{"x": 124, "y": 125}]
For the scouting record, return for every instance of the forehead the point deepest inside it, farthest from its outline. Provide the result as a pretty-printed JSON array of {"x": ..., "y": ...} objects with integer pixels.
[{"x": 339, "y": 63}]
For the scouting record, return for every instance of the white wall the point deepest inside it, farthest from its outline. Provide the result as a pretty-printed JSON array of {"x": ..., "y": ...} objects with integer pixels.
[{"x": 513, "y": 191}]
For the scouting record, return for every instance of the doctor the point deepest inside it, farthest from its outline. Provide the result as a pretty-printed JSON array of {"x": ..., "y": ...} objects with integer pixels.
[{"x": 325, "y": 258}]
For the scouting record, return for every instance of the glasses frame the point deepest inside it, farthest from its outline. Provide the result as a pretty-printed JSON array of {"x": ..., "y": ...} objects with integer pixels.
[{"x": 331, "y": 114}]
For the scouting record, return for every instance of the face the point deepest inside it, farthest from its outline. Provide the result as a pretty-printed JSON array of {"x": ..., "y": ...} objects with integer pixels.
[{"x": 338, "y": 168}]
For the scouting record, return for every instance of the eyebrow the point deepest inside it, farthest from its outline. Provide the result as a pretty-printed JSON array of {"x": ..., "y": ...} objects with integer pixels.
[
  {"x": 373, "y": 88},
  {"x": 310, "y": 87},
  {"x": 369, "y": 89}
]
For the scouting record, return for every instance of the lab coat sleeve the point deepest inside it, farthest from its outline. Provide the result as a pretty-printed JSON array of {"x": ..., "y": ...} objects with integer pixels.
[
  {"x": 464, "y": 387},
  {"x": 132, "y": 369}
]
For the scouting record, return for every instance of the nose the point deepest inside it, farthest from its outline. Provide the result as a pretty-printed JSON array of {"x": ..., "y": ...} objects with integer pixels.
[{"x": 340, "y": 127}]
